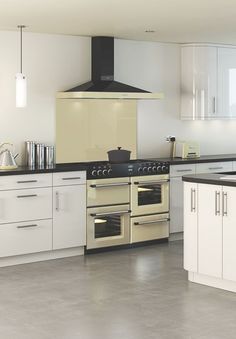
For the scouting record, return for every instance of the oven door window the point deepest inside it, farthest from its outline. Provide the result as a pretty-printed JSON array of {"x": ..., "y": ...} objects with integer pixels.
[
  {"x": 107, "y": 226},
  {"x": 149, "y": 194}
]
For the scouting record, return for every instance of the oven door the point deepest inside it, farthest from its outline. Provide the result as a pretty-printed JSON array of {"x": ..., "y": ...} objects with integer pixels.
[
  {"x": 103, "y": 192},
  {"x": 108, "y": 226},
  {"x": 150, "y": 194},
  {"x": 149, "y": 227}
]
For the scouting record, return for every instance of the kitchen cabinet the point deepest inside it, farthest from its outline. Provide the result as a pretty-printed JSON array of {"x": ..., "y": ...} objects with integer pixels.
[
  {"x": 69, "y": 211},
  {"x": 198, "y": 82},
  {"x": 190, "y": 227},
  {"x": 209, "y": 230},
  {"x": 227, "y": 81},
  {"x": 214, "y": 167},
  {"x": 176, "y": 195}
]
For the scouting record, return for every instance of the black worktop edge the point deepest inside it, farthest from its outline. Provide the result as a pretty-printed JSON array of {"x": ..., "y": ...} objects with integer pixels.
[
  {"x": 210, "y": 179},
  {"x": 202, "y": 159}
]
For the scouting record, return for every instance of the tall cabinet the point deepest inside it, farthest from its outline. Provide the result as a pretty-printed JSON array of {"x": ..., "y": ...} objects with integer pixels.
[{"x": 208, "y": 82}]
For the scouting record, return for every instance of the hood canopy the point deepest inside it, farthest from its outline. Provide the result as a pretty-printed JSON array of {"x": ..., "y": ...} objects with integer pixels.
[{"x": 103, "y": 84}]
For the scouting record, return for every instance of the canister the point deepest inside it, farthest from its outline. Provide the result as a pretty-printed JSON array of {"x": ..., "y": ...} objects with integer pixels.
[
  {"x": 49, "y": 156},
  {"x": 40, "y": 155},
  {"x": 30, "y": 153}
]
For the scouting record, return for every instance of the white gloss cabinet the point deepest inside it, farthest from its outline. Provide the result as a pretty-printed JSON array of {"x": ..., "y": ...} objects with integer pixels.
[
  {"x": 209, "y": 230},
  {"x": 198, "y": 82},
  {"x": 190, "y": 227},
  {"x": 69, "y": 216},
  {"x": 227, "y": 82}
]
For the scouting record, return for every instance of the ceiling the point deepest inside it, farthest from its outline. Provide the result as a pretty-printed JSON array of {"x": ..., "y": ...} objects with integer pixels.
[{"x": 172, "y": 21}]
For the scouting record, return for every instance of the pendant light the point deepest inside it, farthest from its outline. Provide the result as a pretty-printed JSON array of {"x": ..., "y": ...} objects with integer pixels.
[{"x": 21, "y": 89}]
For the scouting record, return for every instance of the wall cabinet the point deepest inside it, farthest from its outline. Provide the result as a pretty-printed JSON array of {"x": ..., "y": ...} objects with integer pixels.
[
  {"x": 208, "y": 80},
  {"x": 210, "y": 232}
]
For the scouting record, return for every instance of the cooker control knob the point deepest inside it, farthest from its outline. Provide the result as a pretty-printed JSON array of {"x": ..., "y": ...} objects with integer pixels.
[
  {"x": 104, "y": 172},
  {"x": 154, "y": 168},
  {"x": 94, "y": 172},
  {"x": 99, "y": 172},
  {"x": 163, "y": 168},
  {"x": 149, "y": 169},
  {"x": 158, "y": 168},
  {"x": 145, "y": 169},
  {"x": 140, "y": 169},
  {"x": 109, "y": 171}
]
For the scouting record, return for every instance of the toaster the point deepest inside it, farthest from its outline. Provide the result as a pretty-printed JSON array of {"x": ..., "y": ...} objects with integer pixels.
[{"x": 187, "y": 149}]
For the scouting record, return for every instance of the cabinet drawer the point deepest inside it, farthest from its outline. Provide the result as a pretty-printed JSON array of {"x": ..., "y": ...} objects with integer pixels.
[
  {"x": 149, "y": 228},
  {"x": 214, "y": 167},
  {"x": 10, "y": 182},
  {"x": 180, "y": 170},
  {"x": 69, "y": 178},
  {"x": 27, "y": 237},
  {"x": 24, "y": 205}
]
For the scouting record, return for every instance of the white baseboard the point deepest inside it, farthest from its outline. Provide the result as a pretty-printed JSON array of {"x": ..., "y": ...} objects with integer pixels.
[
  {"x": 41, "y": 256},
  {"x": 212, "y": 281},
  {"x": 176, "y": 236}
]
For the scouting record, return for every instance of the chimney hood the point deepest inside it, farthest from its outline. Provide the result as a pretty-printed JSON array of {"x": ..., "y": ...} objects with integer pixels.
[{"x": 103, "y": 85}]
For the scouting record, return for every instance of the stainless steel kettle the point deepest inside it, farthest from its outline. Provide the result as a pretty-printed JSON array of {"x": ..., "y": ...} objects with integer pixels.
[{"x": 7, "y": 159}]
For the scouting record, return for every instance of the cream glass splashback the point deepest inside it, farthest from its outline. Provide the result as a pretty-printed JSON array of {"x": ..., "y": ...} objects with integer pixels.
[{"x": 87, "y": 128}]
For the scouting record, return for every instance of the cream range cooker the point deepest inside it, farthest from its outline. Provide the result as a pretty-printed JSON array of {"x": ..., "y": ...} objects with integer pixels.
[{"x": 127, "y": 203}]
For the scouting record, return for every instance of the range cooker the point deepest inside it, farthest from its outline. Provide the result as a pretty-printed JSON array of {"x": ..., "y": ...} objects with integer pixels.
[{"x": 127, "y": 203}]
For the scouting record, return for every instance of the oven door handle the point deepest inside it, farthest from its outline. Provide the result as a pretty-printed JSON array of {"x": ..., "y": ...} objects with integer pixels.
[
  {"x": 109, "y": 213},
  {"x": 151, "y": 182},
  {"x": 150, "y": 222},
  {"x": 110, "y": 185}
]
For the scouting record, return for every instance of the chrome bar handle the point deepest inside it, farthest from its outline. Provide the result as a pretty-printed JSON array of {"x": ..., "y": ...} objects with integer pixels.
[
  {"x": 27, "y": 226},
  {"x": 215, "y": 168},
  {"x": 225, "y": 204},
  {"x": 217, "y": 203},
  {"x": 109, "y": 213},
  {"x": 26, "y": 181},
  {"x": 214, "y": 105},
  {"x": 57, "y": 201},
  {"x": 151, "y": 222},
  {"x": 27, "y": 196},
  {"x": 110, "y": 185},
  {"x": 151, "y": 182},
  {"x": 184, "y": 170},
  {"x": 72, "y": 178},
  {"x": 193, "y": 200}
]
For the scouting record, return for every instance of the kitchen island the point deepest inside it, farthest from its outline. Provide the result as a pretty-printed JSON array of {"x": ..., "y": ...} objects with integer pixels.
[{"x": 210, "y": 229}]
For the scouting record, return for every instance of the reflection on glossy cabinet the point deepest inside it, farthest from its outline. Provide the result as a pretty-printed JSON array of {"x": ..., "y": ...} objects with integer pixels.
[{"x": 69, "y": 216}]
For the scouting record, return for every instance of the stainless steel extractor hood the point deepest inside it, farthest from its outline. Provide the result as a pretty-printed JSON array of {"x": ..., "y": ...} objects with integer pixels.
[{"x": 103, "y": 85}]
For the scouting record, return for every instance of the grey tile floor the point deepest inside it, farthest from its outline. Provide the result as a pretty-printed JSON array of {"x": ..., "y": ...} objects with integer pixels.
[{"x": 130, "y": 294}]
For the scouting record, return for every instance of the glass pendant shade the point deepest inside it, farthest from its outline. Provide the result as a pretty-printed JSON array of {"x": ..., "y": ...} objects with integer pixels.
[{"x": 21, "y": 90}]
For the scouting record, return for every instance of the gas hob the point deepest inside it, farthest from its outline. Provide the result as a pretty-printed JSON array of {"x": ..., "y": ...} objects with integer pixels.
[{"x": 104, "y": 169}]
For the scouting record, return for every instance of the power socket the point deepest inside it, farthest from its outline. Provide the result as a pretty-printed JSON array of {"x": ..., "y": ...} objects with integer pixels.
[{"x": 170, "y": 138}]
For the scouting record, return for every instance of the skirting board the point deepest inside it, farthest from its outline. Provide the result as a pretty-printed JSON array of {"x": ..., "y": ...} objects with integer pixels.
[
  {"x": 41, "y": 256},
  {"x": 212, "y": 281}
]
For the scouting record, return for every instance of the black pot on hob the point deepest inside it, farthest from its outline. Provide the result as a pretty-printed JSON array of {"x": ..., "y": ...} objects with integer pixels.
[{"x": 118, "y": 155}]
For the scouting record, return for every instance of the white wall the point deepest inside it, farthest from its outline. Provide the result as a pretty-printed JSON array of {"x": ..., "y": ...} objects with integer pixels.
[
  {"x": 51, "y": 63},
  {"x": 156, "y": 67}
]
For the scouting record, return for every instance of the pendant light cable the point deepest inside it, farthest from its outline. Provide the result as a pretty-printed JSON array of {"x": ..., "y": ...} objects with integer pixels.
[{"x": 20, "y": 77}]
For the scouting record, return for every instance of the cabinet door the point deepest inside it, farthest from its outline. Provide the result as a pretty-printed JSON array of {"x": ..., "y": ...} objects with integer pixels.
[
  {"x": 176, "y": 205},
  {"x": 229, "y": 233},
  {"x": 227, "y": 82},
  {"x": 199, "y": 82},
  {"x": 190, "y": 227},
  {"x": 210, "y": 230},
  {"x": 69, "y": 216}
]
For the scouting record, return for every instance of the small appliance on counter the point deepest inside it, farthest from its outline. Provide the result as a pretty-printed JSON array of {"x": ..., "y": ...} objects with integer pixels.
[
  {"x": 7, "y": 159},
  {"x": 39, "y": 155},
  {"x": 187, "y": 149}
]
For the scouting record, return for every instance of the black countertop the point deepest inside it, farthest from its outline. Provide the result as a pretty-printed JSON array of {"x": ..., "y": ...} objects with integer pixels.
[
  {"x": 202, "y": 159},
  {"x": 57, "y": 168},
  {"x": 212, "y": 179}
]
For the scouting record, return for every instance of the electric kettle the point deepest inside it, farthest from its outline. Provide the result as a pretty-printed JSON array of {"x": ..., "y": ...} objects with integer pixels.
[{"x": 7, "y": 159}]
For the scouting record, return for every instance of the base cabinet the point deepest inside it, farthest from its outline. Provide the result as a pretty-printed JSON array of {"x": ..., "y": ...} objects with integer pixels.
[
  {"x": 210, "y": 233},
  {"x": 69, "y": 216}
]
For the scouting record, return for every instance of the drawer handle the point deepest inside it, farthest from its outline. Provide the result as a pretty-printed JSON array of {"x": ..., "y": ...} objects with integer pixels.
[
  {"x": 27, "y": 226},
  {"x": 27, "y": 196},
  {"x": 26, "y": 181},
  {"x": 215, "y": 168},
  {"x": 73, "y": 178},
  {"x": 151, "y": 222},
  {"x": 184, "y": 170}
]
